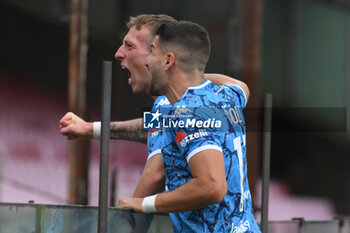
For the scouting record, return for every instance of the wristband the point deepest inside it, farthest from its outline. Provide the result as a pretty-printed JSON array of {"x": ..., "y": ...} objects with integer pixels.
[
  {"x": 149, "y": 204},
  {"x": 96, "y": 129}
]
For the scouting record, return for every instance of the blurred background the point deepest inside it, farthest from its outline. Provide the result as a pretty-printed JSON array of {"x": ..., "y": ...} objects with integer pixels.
[{"x": 297, "y": 50}]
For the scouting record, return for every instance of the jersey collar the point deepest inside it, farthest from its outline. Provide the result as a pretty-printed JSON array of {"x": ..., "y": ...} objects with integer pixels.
[{"x": 203, "y": 84}]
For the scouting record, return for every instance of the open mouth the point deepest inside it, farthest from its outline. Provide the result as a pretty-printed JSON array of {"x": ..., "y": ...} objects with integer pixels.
[
  {"x": 127, "y": 70},
  {"x": 129, "y": 74}
]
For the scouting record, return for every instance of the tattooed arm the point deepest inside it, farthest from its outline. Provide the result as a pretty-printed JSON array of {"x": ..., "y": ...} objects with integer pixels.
[
  {"x": 74, "y": 127},
  {"x": 129, "y": 130}
]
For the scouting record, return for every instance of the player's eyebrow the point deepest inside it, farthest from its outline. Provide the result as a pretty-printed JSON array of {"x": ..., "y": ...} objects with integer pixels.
[{"x": 126, "y": 41}]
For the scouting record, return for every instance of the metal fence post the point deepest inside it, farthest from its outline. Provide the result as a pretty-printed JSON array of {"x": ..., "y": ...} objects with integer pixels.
[{"x": 104, "y": 147}]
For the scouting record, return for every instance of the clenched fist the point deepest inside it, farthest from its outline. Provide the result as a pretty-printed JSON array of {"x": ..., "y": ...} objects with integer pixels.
[{"x": 74, "y": 127}]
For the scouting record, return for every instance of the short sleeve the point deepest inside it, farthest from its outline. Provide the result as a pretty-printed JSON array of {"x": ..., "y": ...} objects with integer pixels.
[
  {"x": 154, "y": 142},
  {"x": 239, "y": 93}
]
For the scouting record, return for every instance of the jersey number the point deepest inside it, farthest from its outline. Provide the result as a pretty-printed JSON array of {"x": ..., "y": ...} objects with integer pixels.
[{"x": 238, "y": 148}]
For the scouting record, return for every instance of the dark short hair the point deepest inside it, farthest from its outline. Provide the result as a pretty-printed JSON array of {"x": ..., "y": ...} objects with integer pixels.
[
  {"x": 191, "y": 38},
  {"x": 149, "y": 20}
]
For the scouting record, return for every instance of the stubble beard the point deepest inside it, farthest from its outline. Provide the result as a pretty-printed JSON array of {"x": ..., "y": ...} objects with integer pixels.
[{"x": 154, "y": 88}]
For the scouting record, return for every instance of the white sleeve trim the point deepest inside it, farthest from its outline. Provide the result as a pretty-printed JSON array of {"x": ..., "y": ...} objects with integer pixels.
[
  {"x": 245, "y": 97},
  {"x": 202, "y": 148},
  {"x": 158, "y": 151}
]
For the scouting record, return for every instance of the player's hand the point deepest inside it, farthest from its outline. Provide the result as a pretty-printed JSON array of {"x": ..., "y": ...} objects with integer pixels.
[
  {"x": 74, "y": 127},
  {"x": 131, "y": 203}
]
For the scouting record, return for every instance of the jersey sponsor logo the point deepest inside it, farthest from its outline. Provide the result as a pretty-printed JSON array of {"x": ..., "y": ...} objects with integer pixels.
[
  {"x": 154, "y": 132},
  {"x": 181, "y": 110},
  {"x": 180, "y": 136},
  {"x": 182, "y": 139},
  {"x": 241, "y": 228},
  {"x": 163, "y": 101}
]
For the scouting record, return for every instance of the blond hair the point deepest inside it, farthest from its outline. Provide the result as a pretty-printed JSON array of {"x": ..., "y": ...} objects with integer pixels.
[{"x": 152, "y": 22}]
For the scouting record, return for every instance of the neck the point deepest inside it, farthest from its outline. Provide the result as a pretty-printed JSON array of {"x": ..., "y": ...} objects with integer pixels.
[{"x": 180, "y": 82}]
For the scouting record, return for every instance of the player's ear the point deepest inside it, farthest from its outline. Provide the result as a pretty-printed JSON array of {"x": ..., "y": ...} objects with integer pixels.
[{"x": 170, "y": 60}]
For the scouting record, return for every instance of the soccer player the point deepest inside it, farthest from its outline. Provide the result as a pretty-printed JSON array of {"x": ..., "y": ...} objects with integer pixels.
[
  {"x": 204, "y": 144},
  {"x": 132, "y": 55}
]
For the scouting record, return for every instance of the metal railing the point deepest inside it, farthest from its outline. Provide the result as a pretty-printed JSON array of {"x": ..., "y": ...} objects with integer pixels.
[{"x": 39, "y": 218}]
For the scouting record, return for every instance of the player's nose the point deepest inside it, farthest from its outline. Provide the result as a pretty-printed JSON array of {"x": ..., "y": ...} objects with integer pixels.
[{"x": 119, "y": 55}]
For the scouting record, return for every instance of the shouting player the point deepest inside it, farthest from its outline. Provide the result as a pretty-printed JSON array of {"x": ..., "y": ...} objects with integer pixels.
[
  {"x": 132, "y": 54},
  {"x": 204, "y": 144}
]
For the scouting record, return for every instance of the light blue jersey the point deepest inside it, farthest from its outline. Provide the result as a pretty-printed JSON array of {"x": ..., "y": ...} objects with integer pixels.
[{"x": 208, "y": 116}]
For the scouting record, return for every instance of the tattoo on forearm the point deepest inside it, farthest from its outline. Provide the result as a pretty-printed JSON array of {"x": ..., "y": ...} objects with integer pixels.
[{"x": 128, "y": 130}]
